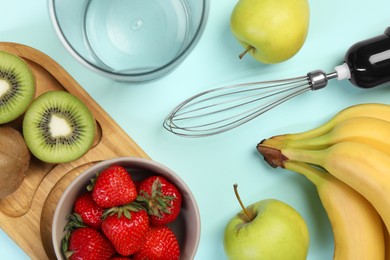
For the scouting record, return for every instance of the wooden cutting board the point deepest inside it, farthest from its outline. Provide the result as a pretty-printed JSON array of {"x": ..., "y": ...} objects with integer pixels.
[{"x": 26, "y": 215}]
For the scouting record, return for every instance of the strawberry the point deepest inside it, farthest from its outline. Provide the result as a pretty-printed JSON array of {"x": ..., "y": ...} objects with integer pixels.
[
  {"x": 113, "y": 187},
  {"x": 88, "y": 244},
  {"x": 88, "y": 210},
  {"x": 161, "y": 199},
  {"x": 126, "y": 230},
  {"x": 160, "y": 243}
]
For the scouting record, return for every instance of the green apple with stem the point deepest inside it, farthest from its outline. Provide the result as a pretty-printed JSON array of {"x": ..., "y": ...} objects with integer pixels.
[
  {"x": 271, "y": 31},
  {"x": 267, "y": 229}
]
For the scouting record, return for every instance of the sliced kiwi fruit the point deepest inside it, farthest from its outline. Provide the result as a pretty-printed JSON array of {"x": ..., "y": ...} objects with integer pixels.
[
  {"x": 14, "y": 160},
  {"x": 58, "y": 127},
  {"x": 17, "y": 86}
]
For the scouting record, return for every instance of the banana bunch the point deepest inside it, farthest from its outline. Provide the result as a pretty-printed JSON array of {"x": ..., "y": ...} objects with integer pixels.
[{"x": 348, "y": 160}]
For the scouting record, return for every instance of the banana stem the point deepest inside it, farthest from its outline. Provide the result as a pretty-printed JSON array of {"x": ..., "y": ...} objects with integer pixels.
[
  {"x": 277, "y": 157},
  {"x": 316, "y": 143},
  {"x": 308, "y": 156},
  {"x": 312, "y": 173},
  {"x": 272, "y": 156}
]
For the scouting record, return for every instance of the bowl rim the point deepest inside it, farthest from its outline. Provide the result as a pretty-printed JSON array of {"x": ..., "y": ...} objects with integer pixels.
[
  {"x": 136, "y": 77},
  {"x": 128, "y": 160}
]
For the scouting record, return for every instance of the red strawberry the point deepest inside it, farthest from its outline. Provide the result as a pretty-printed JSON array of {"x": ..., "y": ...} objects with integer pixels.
[
  {"x": 126, "y": 230},
  {"x": 89, "y": 211},
  {"x": 162, "y": 199},
  {"x": 114, "y": 187},
  {"x": 88, "y": 244},
  {"x": 160, "y": 243}
]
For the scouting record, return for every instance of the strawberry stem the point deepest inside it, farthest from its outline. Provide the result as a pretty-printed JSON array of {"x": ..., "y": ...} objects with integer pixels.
[
  {"x": 123, "y": 210},
  {"x": 92, "y": 183},
  {"x": 74, "y": 222},
  {"x": 156, "y": 203}
]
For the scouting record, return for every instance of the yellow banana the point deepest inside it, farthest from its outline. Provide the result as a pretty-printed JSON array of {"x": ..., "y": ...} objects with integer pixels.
[
  {"x": 387, "y": 242},
  {"x": 357, "y": 227},
  {"x": 362, "y": 167},
  {"x": 372, "y": 131},
  {"x": 376, "y": 110}
]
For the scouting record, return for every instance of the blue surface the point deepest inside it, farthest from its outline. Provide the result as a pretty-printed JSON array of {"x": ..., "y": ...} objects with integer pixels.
[{"x": 210, "y": 166}]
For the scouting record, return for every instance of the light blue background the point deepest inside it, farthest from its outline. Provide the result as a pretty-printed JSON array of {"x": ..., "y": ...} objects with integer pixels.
[{"x": 210, "y": 166}]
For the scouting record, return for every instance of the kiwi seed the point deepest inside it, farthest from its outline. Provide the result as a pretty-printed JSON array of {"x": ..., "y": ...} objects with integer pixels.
[
  {"x": 17, "y": 86},
  {"x": 58, "y": 127},
  {"x": 14, "y": 160}
]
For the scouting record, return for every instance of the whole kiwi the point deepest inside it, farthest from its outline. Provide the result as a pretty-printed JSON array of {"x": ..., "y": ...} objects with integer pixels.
[{"x": 14, "y": 160}]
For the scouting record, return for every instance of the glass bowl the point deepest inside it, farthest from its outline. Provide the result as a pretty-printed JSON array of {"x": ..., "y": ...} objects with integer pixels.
[{"x": 134, "y": 41}]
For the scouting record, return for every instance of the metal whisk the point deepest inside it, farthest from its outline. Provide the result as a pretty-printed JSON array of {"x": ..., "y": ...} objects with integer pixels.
[
  {"x": 367, "y": 64},
  {"x": 221, "y": 109}
]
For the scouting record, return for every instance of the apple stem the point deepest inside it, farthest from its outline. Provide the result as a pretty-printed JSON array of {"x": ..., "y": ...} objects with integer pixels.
[
  {"x": 235, "y": 186},
  {"x": 245, "y": 51}
]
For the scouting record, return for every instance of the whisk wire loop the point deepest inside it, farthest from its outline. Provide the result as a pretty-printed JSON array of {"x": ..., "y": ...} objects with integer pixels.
[
  {"x": 221, "y": 109},
  {"x": 242, "y": 99}
]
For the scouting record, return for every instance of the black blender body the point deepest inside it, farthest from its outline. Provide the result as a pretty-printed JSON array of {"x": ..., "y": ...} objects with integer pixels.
[{"x": 369, "y": 61}]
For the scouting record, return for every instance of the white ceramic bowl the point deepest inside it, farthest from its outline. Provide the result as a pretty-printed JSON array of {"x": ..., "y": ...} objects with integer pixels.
[{"x": 186, "y": 227}]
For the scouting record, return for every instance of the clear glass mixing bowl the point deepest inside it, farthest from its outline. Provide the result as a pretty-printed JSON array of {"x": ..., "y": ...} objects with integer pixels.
[{"x": 136, "y": 41}]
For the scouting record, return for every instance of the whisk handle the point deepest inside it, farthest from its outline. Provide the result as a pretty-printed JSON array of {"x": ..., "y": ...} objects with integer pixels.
[
  {"x": 318, "y": 79},
  {"x": 369, "y": 61}
]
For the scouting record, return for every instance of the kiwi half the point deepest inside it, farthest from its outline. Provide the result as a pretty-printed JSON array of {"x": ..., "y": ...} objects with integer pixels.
[
  {"x": 58, "y": 127},
  {"x": 17, "y": 86}
]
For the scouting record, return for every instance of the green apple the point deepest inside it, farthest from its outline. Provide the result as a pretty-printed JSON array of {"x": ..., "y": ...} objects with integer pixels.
[
  {"x": 271, "y": 31},
  {"x": 267, "y": 229}
]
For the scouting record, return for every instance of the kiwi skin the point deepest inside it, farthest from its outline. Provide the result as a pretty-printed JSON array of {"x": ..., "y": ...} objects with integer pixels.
[
  {"x": 17, "y": 86},
  {"x": 58, "y": 127},
  {"x": 14, "y": 160}
]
